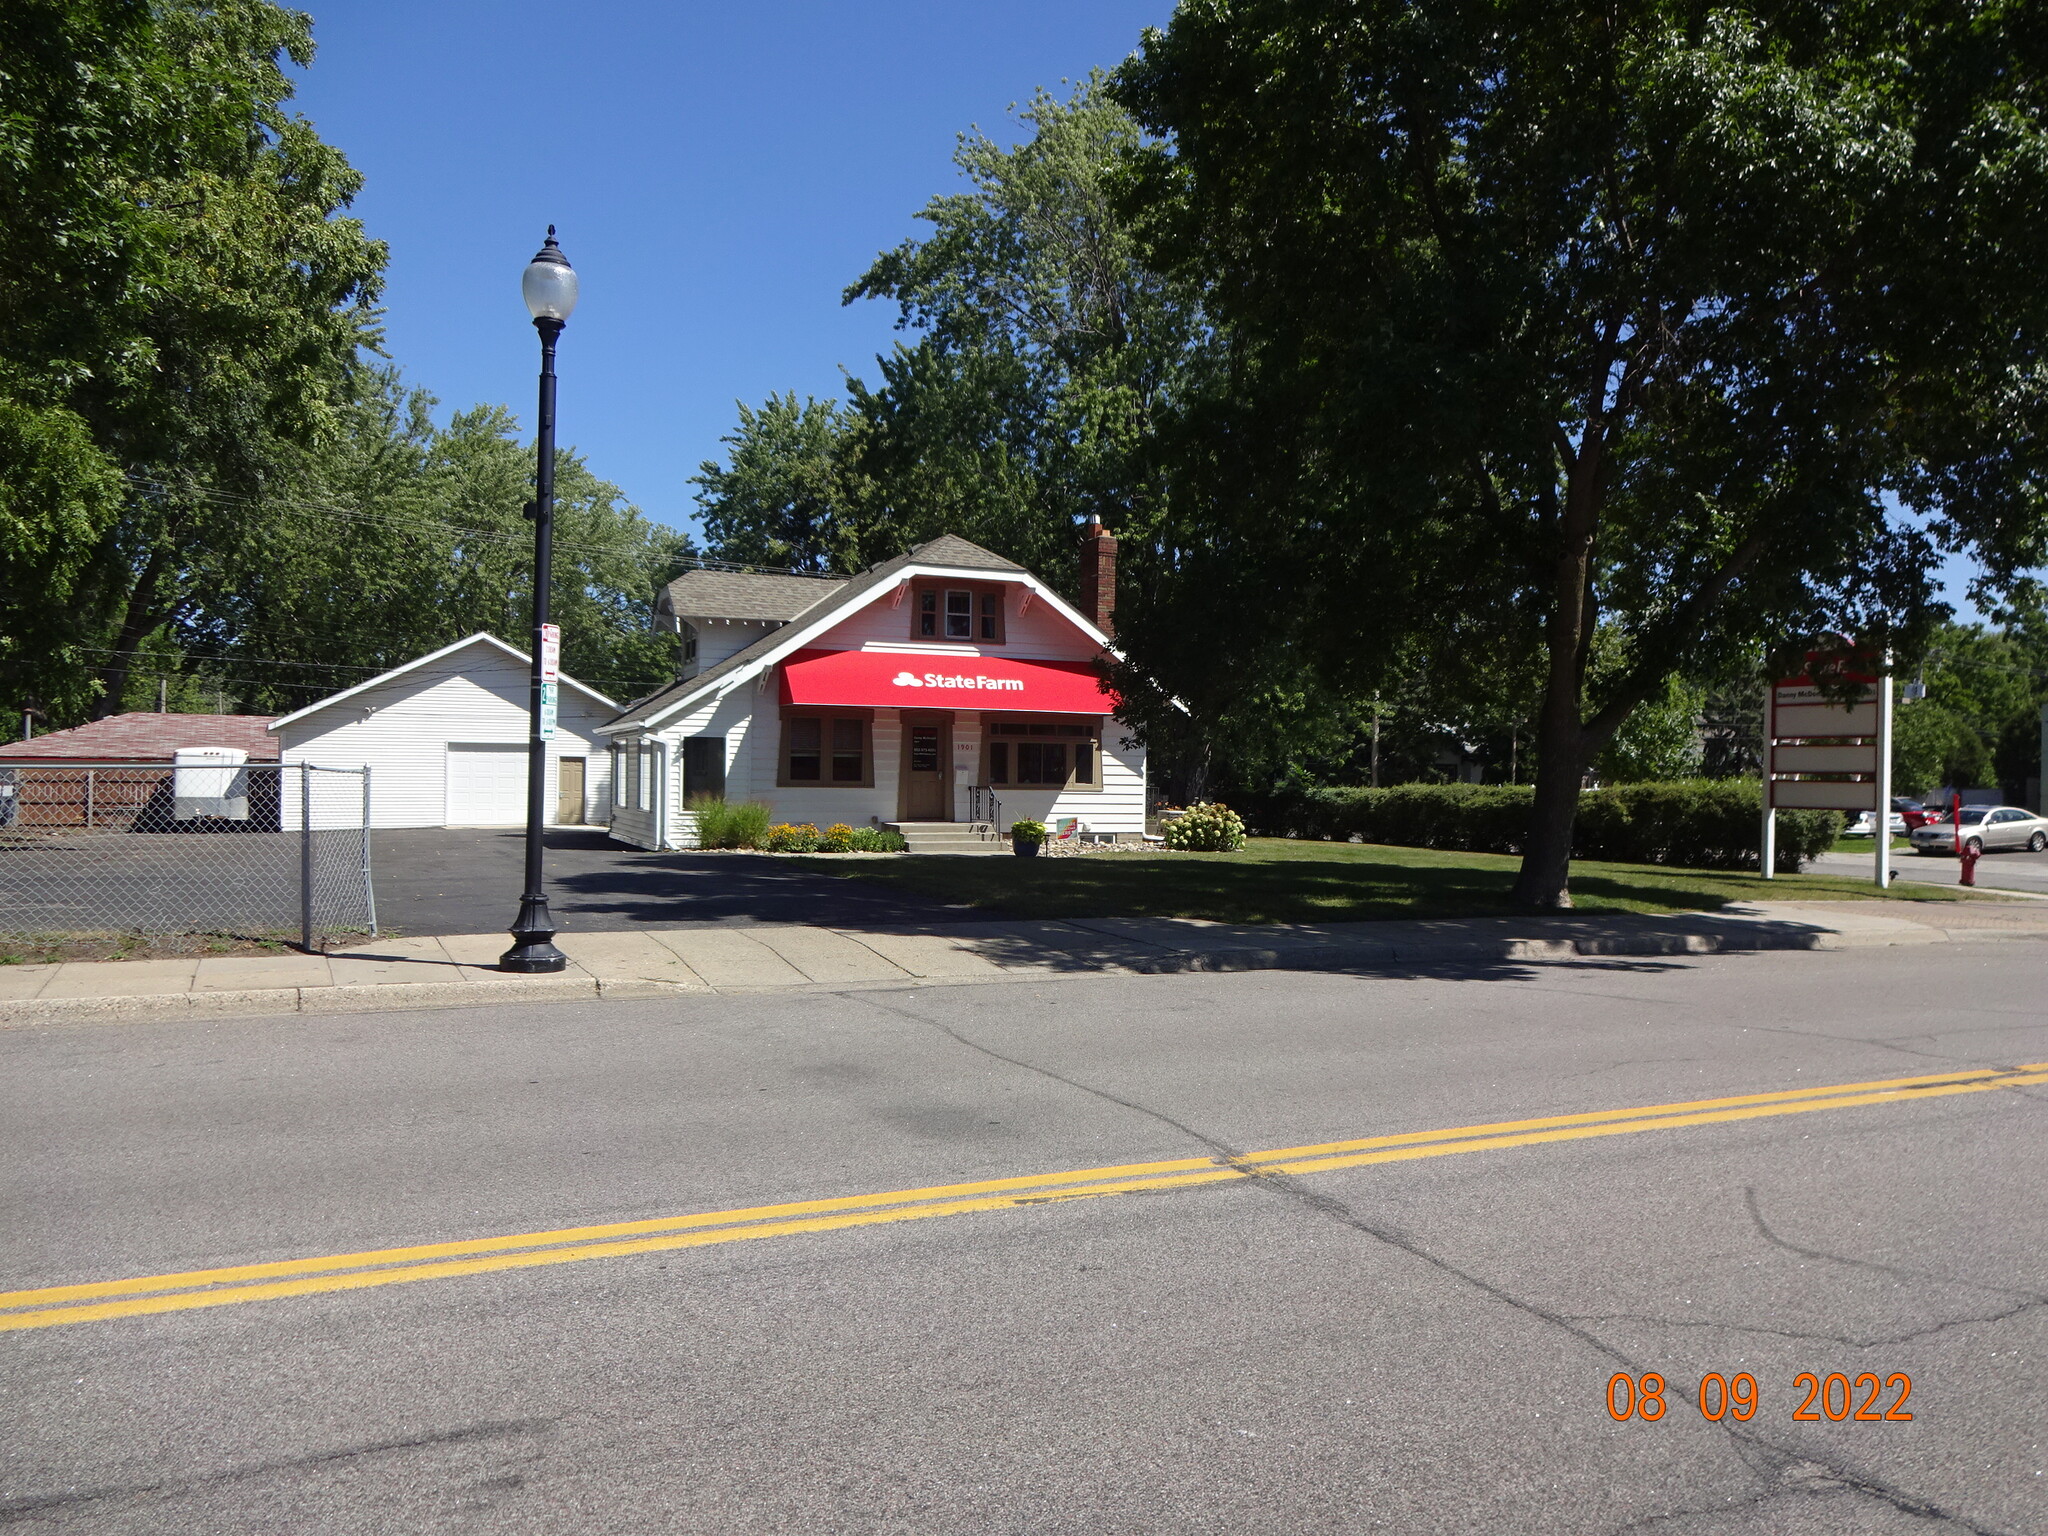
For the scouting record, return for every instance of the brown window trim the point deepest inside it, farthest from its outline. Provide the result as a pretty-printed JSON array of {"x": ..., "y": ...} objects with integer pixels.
[
  {"x": 985, "y": 601},
  {"x": 1066, "y": 730},
  {"x": 826, "y": 715}
]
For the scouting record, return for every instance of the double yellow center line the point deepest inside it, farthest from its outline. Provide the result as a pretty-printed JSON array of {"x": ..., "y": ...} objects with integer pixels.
[{"x": 97, "y": 1300}]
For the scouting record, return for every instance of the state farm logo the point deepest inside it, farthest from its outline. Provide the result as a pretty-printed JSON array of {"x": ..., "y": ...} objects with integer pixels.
[{"x": 979, "y": 680}]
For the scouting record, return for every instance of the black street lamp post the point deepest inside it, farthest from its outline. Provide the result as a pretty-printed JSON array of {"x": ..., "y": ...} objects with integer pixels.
[{"x": 550, "y": 289}]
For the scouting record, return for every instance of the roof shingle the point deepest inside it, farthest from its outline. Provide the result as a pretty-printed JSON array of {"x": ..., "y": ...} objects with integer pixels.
[
  {"x": 148, "y": 738},
  {"x": 747, "y": 595}
]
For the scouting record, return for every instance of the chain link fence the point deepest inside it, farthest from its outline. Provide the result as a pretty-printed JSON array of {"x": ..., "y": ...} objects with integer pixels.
[{"x": 157, "y": 850}]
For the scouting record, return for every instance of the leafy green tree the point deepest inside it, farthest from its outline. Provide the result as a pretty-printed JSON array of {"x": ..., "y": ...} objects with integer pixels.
[
  {"x": 782, "y": 497},
  {"x": 183, "y": 306},
  {"x": 1932, "y": 746},
  {"x": 1980, "y": 721},
  {"x": 402, "y": 537},
  {"x": 1548, "y": 318}
]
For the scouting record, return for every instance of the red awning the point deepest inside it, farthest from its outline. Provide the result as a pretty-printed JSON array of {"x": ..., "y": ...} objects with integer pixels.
[{"x": 899, "y": 680}]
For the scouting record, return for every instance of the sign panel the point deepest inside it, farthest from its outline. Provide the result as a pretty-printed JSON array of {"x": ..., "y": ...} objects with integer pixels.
[
  {"x": 547, "y": 710},
  {"x": 1799, "y": 690},
  {"x": 1824, "y": 720},
  {"x": 1822, "y": 795},
  {"x": 550, "y": 652},
  {"x": 1787, "y": 758}
]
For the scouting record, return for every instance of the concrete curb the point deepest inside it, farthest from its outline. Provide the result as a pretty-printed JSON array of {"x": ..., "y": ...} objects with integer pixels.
[{"x": 1339, "y": 955}]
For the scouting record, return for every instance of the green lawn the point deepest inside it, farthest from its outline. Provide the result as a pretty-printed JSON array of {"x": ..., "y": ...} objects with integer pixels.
[
  {"x": 1863, "y": 845},
  {"x": 1275, "y": 880}
]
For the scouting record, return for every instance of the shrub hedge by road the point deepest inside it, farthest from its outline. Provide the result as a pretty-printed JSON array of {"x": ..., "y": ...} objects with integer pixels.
[{"x": 1693, "y": 823}]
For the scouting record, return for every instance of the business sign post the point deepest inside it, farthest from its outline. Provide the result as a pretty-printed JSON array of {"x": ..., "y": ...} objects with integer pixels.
[{"x": 1828, "y": 746}]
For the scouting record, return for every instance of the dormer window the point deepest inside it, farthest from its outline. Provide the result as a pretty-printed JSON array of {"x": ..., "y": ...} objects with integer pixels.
[
  {"x": 964, "y": 614},
  {"x": 689, "y": 633}
]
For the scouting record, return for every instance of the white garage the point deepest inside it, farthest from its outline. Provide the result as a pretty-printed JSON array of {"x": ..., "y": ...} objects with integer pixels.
[{"x": 445, "y": 740}]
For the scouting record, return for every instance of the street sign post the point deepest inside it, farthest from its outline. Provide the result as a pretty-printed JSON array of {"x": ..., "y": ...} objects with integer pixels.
[
  {"x": 550, "y": 677},
  {"x": 1829, "y": 748}
]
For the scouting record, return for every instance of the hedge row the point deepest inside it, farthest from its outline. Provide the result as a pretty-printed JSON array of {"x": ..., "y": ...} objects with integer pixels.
[{"x": 1694, "y": 823}]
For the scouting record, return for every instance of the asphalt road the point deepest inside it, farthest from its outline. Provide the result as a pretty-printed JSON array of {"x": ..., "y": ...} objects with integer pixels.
[
  {"x": 2014, "y": 870},
  {"x": 468, "y": 880},
  {"x": 1403, "y": 1344}
]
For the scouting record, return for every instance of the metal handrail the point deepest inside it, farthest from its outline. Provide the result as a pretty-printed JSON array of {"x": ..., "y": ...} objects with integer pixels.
[{"x": 976, "y": 794}]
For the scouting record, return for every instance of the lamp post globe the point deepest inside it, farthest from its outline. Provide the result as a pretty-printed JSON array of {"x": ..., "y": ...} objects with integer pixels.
[
  {"x": 549, "y": 287},
  {"x": 549, "y": 284}
]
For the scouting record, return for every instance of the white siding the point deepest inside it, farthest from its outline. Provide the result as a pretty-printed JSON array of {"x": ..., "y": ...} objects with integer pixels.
[
  {"x": 401, "y": 729},
  {"x": 1119, "y": 806},
  {"x": 720, "y": 638},
  {"x": 749, "y": 718},
  {"x": 1042, "y": 634}
]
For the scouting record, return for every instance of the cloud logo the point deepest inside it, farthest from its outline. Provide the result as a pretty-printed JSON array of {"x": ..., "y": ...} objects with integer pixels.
[{"x": 905, "y": 680}]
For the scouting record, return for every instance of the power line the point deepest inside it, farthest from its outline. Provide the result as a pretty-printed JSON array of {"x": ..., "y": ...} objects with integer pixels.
[
  {"x": 491, "y": 535},
  {"x": 208, "y": 679},
  {"x": 240, "y": 661}
]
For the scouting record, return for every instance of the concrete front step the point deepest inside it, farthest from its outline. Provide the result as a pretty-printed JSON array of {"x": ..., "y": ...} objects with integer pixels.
[{"x": 953, "y": 837}]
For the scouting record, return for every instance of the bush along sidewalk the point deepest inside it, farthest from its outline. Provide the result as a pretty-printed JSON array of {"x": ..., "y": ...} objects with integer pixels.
[{"x": 1690, "y": 823}]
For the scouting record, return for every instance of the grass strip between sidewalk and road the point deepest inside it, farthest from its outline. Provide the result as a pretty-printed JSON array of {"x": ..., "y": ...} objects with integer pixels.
[
  {"x": 102, "y": 1300},
  {"x": 1287, "y": 880}
]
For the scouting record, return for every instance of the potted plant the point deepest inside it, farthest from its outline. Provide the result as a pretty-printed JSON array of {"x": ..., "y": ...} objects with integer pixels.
[{"x": 1026, "y": 838}]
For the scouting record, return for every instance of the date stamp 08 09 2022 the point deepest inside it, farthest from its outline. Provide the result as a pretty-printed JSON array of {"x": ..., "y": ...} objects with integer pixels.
[{"x": 1831, "y": 1397}]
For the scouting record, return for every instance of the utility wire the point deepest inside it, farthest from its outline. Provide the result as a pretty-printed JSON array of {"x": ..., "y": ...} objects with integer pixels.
[{"x": 492, "y": 535}]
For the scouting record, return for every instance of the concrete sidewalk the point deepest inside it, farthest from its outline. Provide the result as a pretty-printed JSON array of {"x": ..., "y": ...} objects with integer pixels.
[{"x": 457, "y": 971}]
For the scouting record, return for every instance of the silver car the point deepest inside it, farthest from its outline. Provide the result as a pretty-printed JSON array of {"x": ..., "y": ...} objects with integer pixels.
[{"x": 1985, "y": 829}]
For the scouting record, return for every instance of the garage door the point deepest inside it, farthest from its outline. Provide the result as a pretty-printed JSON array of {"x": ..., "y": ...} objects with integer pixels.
[{"x": 486, "y": 784}]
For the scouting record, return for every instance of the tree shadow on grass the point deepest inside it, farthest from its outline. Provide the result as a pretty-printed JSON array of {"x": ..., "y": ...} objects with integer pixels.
[{"x": 1251, "y": 891}]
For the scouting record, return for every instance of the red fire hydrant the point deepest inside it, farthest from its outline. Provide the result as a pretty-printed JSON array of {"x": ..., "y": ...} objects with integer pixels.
[{"x": 1969, "y": 854}]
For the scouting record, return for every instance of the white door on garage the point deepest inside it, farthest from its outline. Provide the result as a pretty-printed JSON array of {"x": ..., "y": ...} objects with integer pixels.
[{"x": 486, "y": 784}]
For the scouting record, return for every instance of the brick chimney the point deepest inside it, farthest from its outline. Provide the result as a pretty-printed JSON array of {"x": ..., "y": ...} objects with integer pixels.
[{"x": 1098, "y": 575}]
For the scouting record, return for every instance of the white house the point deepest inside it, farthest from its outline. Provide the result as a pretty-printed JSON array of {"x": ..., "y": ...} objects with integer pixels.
[
  {"x": 445, "y": 738},
  {"x": 946, "y": 693}
]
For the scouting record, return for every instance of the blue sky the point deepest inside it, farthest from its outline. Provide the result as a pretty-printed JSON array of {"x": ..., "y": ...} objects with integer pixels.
[{"x": 719, "y": 172}]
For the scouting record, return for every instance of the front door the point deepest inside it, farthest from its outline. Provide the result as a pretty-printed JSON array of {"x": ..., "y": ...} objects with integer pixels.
[
  {"x": 569, "y": 793},
  {"x": 925, "y": 790}
]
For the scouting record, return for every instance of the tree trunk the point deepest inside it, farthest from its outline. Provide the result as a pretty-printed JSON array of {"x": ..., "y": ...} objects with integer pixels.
[
  {"x": 1544, "y": 882},
  {"x": 1198, "y": 773},
  {"x": 138, "y": 618}
]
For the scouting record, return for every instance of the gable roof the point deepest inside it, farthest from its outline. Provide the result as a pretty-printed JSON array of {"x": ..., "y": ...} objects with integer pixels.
[
  {"x": 750, "y": 595},
  {"x": 478, "y": 639},
  {"x": 947, "y": 552},
  {"x": 949, "y": 549},
  {"x": 149, "y": 738}
]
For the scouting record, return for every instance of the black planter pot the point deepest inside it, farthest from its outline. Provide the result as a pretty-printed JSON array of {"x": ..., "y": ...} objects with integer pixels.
[{"x": 1024, "y": 848}]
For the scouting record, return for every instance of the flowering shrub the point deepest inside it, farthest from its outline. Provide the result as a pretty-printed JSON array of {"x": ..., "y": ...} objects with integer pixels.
[
  {"x": 1205, "y": 828},
  {"x": 801, "y": 838},
  {"x": 837, "y": 838}
]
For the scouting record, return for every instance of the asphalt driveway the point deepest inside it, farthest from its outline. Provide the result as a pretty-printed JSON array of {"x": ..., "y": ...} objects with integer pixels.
[{"x": 433, "y": 880}]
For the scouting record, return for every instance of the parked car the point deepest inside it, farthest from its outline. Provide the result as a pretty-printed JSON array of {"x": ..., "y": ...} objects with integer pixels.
[
  {"x": 1865, "y": 824},
  {"x": 1914, "y": 813},
  {"x": 1987, "y": 828}
]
